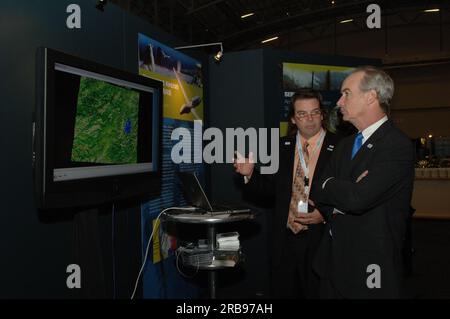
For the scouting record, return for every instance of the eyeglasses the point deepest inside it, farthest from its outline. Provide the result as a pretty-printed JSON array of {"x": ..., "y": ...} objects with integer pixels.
[{"x": 302, "y": 115}]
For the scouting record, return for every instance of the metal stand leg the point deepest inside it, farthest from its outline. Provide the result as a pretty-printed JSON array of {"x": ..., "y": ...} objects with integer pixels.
[
  {"x": 212, "y": 276},
  {"x": 212, "y": 237}
]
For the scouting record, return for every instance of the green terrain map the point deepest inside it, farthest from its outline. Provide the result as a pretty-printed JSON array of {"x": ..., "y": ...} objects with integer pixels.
[{"x": 105, "y": 124}]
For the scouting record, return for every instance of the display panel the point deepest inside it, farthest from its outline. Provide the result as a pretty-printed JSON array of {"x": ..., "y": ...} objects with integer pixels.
[{"x": 97, "y": 133}]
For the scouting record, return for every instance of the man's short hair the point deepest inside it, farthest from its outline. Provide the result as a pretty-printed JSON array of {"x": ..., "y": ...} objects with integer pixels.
[{"x": 379, "y": 81}]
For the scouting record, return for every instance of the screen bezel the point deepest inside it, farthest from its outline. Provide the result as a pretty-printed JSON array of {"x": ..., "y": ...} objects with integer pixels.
[{"x": 94, "y": 190}]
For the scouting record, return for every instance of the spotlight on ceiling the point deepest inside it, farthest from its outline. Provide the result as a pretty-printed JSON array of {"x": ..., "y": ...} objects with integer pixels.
[
  {"x": 218, "y": 56},
  {"x": 101, "y": 4}
]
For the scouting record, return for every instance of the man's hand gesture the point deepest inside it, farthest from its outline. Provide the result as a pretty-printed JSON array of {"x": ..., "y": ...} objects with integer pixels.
[{"x": 244, "y": 166}]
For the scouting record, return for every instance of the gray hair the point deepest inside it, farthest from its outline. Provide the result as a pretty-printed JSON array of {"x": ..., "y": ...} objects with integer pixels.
[{"x": 378, "y": 80}]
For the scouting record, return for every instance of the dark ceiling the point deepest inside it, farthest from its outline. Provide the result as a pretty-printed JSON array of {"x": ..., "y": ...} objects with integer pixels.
[{"x": 204, "y": 21}]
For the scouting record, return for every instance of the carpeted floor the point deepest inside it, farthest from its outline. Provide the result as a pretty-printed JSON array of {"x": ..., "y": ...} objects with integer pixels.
[
  {"x": 430, "y": 276},
  {"x": 429, "y": 271}
]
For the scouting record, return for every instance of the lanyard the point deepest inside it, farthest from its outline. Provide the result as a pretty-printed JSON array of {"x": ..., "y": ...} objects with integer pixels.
[{"x": 300, "y": 152}]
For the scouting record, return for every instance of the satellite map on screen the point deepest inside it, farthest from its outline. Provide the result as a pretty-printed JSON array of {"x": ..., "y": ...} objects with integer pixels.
[{"x": 105, "y": 124}]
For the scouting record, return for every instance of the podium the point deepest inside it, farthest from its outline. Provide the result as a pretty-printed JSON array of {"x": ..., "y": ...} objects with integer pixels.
[{"x": 208, "y": 258}]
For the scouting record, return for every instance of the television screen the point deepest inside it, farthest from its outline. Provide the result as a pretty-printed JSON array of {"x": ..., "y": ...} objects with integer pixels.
[{"x": 97, "y": 133}]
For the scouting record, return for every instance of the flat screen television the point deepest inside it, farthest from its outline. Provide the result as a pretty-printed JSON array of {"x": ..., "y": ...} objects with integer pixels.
[{"x": 96, "y": 133}]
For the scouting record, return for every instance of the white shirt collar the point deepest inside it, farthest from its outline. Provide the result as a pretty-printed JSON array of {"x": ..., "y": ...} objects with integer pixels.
[{"x": 368, "y": 131}]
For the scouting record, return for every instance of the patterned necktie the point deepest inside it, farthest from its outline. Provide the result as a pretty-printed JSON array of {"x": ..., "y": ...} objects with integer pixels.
[
  {"x": 357, "y": 144},
  {"x": 305, "y": 150},
  {"x": 298, "y": 192}
]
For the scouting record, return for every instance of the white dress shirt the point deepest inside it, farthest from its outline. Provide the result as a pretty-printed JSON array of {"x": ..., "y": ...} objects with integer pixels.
[{"x": 368, "y": 131}]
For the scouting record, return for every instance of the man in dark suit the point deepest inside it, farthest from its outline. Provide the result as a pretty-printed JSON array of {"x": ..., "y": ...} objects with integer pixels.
[
  {"x": 295, "y": 235},
  {"x": 364, "y": 194}
]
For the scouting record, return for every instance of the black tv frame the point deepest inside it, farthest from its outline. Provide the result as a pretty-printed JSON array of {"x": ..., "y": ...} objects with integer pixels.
[{"x": 50, "y": 194}]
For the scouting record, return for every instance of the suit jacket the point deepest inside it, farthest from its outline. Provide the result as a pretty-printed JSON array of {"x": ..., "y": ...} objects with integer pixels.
[
  {"x": 277, "y": 188},
  {"x": 371, "y": 231}
]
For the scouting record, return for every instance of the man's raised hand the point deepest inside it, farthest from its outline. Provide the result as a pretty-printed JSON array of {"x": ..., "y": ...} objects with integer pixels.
[{"x": 242, "y": 165}]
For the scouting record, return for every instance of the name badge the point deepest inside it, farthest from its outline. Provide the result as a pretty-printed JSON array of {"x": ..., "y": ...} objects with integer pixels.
[{"x": 302, "y": 207}]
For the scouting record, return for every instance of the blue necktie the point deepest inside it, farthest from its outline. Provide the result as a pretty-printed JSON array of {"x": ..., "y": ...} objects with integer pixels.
[{"x": 357, "y": 144}]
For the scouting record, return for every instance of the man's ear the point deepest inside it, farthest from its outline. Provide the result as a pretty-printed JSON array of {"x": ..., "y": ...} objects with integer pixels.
[{"x": 371, "y": 96}]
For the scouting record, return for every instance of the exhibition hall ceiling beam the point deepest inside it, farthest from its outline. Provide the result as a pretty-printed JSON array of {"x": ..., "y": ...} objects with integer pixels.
[
  {"x": 286, "y": 23},
  {"x": 231, "y": 16},
  {"x": 204, "y": 24},
  {"x": 304, "y": 14},
  {"x": 202, "y": 7},
  {"x": 196, "y": 21}
]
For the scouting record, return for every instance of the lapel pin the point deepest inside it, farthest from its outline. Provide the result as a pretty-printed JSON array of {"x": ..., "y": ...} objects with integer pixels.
[
  {"x": 369, "y": 145},
  {"x": 287, "y": 143}
]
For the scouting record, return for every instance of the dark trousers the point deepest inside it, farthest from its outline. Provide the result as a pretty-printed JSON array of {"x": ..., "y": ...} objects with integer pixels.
[
  {"x": 293, "y": 276},
  {"x": 326, "y": 287},
  {"x": 327, "y": 290}
]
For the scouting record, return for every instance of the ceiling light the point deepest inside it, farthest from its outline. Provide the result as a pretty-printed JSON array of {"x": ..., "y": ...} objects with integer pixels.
[
  {"x": 431, "y": 10},
  {"x": 247, "y": 15},
  {"x": 268, "y": 40},
  {"x": 346, "y": 21}
]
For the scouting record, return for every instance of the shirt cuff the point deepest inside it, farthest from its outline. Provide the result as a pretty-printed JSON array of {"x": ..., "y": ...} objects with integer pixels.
[
  {"x": 326, "y": 181},
  {"x": 337, "y": 211}
]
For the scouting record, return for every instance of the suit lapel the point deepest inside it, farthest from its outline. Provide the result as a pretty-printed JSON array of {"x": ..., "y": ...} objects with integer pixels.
[
  {"x": 326, "y": 150},
  {"x": 289, "y": 149},
  {"x": 371, "y": 144}
]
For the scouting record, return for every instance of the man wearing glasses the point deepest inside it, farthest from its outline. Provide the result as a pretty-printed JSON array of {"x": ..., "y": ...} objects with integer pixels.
[{"x": 297, "y": 225}]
